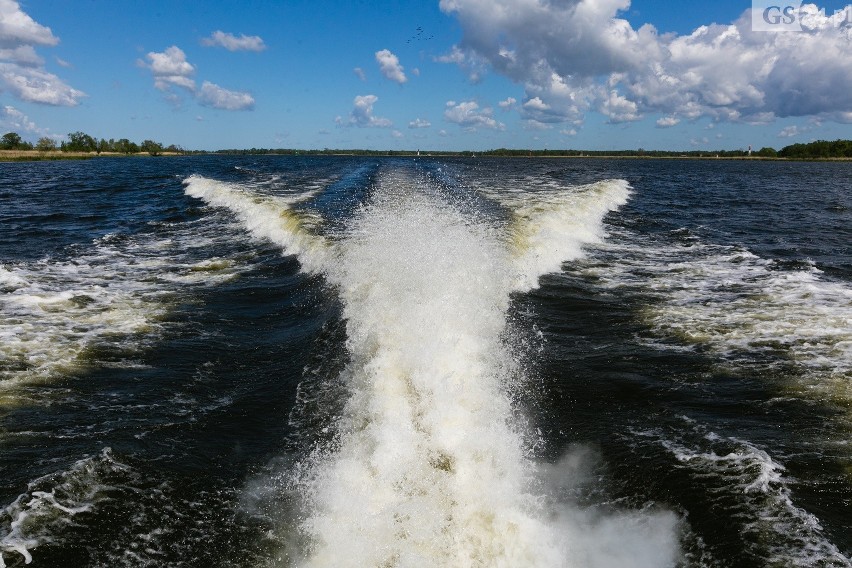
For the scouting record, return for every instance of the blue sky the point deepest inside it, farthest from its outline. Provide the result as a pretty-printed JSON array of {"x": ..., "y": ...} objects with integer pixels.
[{"x": 454, "y": 74}]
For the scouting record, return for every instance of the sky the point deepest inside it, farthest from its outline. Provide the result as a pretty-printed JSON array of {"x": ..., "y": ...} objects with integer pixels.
[{"x": 430, "y": 75}]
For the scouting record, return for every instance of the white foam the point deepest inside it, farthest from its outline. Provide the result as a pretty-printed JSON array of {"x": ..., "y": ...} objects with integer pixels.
[
  {"x": 115, "y": 292},
  {"x": 50, "y": 503},
  {"x": 552, "y": 227},
  {"x": 266, "y": 217},
  {"x": 767, "y": 501},
  {"x": 430, "y": 467},
  {"x": 740, "y": 306}
]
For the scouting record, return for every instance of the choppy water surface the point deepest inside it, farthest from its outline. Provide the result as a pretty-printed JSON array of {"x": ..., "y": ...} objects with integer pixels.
[{"x": 331, "y": 361}]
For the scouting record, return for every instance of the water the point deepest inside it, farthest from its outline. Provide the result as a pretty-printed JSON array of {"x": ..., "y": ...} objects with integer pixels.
[{"x": 332, "y": 361}]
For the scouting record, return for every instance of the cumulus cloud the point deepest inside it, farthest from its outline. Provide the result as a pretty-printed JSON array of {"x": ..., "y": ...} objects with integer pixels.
[
  {"x": 619, "y": 108},
  {"x": 18, "y": 28},
  {"x": 212, "y": 95},
  {"x": 667, "y": 122},
  {"x": 467, "y": 114},
  {"x": 508, "y": 103},
  {"x": 360, "y": 73},
  {"x": 22, "y": 70},
  {"x": 362, "y": 114},
  {"x": 234, "y": 43},
  {"x": 37, "y": 86},
  {"x": 419, "y": 123},
  {"x": 170, "y": 68},
  {"x": 390, "y": 67},
  {"x": 576, "y": 56}
]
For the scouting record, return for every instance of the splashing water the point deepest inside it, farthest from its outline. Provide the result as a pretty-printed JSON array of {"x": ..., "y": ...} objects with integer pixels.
[{"x": 429, "y": 466}]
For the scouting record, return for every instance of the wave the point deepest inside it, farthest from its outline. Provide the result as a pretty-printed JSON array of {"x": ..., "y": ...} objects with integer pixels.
[
  {"x": 746, "y": 480},
  {"x": 749, "y": 310},
  {"x": 111, "y": 295},
  {"x": 554, "y": 226},
  {"x": 51, "y": 502},
  {"x": 267, "y": 217}
]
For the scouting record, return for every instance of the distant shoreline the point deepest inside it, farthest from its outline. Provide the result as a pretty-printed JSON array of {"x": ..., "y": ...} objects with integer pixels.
[{"x": 57, "y": 155}]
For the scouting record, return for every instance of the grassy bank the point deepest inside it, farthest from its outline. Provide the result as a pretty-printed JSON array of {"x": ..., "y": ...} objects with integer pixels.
[{"x": 36, "y": 155}]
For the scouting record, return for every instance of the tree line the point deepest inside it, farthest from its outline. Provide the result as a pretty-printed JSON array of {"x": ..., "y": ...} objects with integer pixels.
[
  {"x": 820, "y": 149},
  {"x": 82, "y": 142}
]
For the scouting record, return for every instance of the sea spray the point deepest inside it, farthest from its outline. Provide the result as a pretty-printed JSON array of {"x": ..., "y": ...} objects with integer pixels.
[
  {"x": 265, "y": 217},
  {"x": 552, "y": 227},
  {"x": 429, "y": 469},
  {"x": 429, "y": 465}
]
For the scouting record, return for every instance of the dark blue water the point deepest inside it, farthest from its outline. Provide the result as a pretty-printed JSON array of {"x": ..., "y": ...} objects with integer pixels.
[{"x": 172, "y": 360}]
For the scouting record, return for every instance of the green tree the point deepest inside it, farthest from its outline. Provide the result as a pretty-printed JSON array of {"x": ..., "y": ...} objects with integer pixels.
[
  {"x": 153, "y": 148},
  {"x": 45, "y": 144},
  {"x": 125, "y": 146},
  {"x": 10, "y": 141},
  {"x": 103, "y": 146},
  {"x": 767, "y": 152},
  {"x": 79, "y": 142}
]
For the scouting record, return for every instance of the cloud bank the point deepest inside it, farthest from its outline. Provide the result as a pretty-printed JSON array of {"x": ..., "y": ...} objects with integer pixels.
[{"x": 577, "y": 56}]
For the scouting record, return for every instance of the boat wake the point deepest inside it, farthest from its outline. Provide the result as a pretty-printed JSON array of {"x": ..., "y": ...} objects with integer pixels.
[{"x": 430, "y": 463}]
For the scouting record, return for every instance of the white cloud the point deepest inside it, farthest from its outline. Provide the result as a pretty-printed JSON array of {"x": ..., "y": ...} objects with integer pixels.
[
  {"x": 397, "y": 134},
  {"x": 170, "y": 68},
  {"x": 212, "y": 95},
  {"x": 579, "y": 55},
  {"x": 390, "y": 67},
  {"x": 233, "y": 43},
  {"x": 13, "y": 119},
  {"x": 23, "y": 55},
  {"x": 456, "y": 56},
  {"x": 360, "y": 73},
  {"x": 467, "y": 114},
  {"x": 667, "y": 121},
  {"x": 568, "y": 131},
  {"x": 468, "y": 60},
  {"x": 536, "y": 104},
  {"x": 22, "y": 70},
  {"x": 16, "y": 27},
  {"x": 37, "y": 86},
  {"x": 508, "y": 103},
  {"x": 362, "y": 114},
  {"x": 789, "y": 132},
  {"x": 419, "y": 123}
]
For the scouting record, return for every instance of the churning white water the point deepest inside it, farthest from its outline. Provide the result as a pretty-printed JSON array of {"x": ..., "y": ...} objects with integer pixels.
[{"x": 430, "y": 466}]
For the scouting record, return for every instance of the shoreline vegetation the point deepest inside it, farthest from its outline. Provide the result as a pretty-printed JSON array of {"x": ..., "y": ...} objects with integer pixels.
[{"x": 81, "y": 146}]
